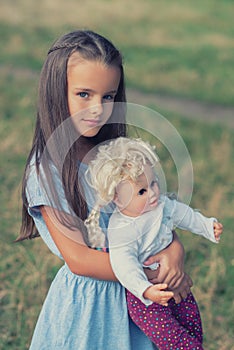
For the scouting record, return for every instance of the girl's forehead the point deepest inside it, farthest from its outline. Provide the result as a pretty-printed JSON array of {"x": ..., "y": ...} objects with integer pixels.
[
  {"x": 93, "y": 74},
  {"x": 75, "y": 59}
]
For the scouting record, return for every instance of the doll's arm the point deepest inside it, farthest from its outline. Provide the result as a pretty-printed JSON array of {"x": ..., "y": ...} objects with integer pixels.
[
  {"x": 80, "y": 259},
  {"x": 191, "y": 220},
  {"x": 128, "y": 269},
  {"x": 130, "y": 273}
]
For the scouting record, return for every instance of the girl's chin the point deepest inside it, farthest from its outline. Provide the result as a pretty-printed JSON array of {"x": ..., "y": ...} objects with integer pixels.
[{"x": 90, "y": 132}]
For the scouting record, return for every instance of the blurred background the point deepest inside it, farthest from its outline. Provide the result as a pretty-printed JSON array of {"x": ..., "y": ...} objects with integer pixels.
[{"x": 179, "y": 59}]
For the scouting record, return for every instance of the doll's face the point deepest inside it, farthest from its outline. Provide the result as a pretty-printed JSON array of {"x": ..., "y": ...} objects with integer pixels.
[
  {"x": 92, "y": 87},
  {"x": 135, "y": 198}
]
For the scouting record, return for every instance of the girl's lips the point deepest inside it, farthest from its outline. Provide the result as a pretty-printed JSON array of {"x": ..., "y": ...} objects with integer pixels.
[{"x": 92, "y": 122}]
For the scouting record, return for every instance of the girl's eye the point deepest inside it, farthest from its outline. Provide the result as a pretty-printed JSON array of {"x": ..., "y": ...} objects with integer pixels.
[
  {"x": 142, "y": 191},
  {"x": 153, "y": 183},
  {"x": 108, "y": 97},
  {"x": 83, "y": 94}
]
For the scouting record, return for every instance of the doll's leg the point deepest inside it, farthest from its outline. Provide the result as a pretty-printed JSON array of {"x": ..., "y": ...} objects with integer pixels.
[
  {"x": 187, "y": 312},
  {"x": 160, "y": 325}
]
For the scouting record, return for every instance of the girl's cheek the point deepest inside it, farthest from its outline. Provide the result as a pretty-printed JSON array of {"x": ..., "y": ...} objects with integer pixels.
[
  {"x": 74, "y": 105},
  {"x": 108, "y": 109}
]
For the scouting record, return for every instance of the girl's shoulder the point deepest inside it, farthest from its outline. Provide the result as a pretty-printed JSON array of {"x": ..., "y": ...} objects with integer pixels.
[{"x": 44, "y": 186}]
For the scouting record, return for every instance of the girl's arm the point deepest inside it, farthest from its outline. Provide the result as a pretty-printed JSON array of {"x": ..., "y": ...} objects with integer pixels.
[
  {"x": 171, "y": 270},
  {"x": 80, "y": 259},
  {"x": 85, "y": 261}
]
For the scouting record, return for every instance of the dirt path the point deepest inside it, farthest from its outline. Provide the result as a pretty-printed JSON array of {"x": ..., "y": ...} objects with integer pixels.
[{"x": 190, "y": 109}]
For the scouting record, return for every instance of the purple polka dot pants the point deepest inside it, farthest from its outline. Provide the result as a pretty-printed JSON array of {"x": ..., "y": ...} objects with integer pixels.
[{"x": 173, "y": 327}]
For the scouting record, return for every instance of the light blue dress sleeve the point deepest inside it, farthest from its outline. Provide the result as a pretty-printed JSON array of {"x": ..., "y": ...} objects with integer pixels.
[
  {"x": 38, "y": 196},
  {"x": 38, "y": 193}
]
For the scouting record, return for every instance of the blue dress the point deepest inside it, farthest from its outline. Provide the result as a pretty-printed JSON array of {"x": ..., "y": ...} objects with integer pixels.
[{"x": 80, "y": 313}]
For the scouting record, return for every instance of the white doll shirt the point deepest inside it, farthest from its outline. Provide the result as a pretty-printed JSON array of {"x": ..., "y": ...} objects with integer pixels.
[{"x": 134, "y": 239}]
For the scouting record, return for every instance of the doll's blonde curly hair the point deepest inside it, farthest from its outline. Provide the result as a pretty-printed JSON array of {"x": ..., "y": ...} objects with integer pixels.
[{"x": 121, "y": 159}]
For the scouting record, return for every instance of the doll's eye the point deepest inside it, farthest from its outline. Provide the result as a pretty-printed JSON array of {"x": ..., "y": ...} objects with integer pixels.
[
  {"x": 153, "y": 183},
  {"x": 142, "y": 191}
]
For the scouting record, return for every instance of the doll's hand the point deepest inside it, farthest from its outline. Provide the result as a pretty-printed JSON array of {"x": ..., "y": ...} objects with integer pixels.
[
  {"x": 218, "y": 229},
  {"x": 157, "y": 294}
]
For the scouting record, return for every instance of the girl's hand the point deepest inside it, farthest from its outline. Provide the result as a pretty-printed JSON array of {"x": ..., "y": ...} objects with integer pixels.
[
  {"x": 171, "y": 260},
  {"x": 157, "y": 294},
  {"x": 218, "y": 229},
  {"x": 171, "y": 270},
  {"x": 183, "y": 289}
]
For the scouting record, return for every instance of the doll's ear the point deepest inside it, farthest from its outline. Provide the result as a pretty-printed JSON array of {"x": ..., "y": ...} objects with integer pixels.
[{"x": 117, "y": 200}]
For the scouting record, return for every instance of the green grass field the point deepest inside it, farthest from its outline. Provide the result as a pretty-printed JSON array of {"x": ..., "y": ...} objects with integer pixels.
[{"x": 177, "y": 48}]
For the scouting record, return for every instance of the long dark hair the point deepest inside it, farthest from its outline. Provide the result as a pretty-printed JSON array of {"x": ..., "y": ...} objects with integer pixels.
[{"x": 53, "y": 110}]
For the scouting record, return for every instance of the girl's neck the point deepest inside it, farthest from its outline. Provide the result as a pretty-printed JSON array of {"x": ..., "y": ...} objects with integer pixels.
[{"x": 87, "y": 149}]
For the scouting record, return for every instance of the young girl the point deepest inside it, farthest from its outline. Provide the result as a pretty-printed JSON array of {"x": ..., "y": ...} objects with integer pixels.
[
  {"x": 142, "y": 224},
  {"x": 85, "y": 307}
]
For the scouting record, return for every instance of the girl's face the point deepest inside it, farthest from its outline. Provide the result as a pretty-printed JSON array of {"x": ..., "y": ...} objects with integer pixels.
[
  {"x": 135, "y": 198},
  {"x": 92, "y": 87}
]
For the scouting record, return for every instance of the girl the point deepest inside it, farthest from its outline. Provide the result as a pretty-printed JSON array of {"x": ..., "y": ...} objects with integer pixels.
[
  {"x": 141, "y": 224},
  {"x": 85, "y": 307}
]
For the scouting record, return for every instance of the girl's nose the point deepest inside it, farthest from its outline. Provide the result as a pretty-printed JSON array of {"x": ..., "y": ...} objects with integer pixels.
[{"x": 97, "y": 109}]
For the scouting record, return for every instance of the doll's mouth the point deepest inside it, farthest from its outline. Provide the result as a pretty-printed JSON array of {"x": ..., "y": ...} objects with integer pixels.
[{"x": 154, "y": 202}]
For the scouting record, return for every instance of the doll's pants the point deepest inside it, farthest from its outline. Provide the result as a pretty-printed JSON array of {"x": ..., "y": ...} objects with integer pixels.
[{"x": 173, "y": 327}]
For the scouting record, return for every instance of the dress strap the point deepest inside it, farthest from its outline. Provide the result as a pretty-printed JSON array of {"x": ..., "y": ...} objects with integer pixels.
[{"x": 101, "y": 249}]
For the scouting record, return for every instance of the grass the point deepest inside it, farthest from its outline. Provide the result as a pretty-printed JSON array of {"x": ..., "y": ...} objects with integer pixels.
[
  {"x": 192, "y": 72},
  {"x": 181, "y": 48}
]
